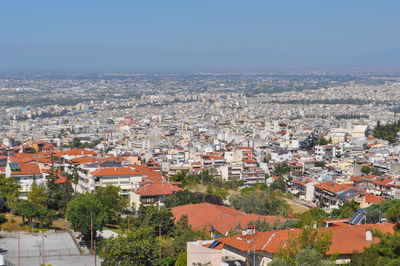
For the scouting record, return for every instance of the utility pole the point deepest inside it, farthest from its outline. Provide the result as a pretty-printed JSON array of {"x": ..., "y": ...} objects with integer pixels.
[
  {"x": 159, "y": 234},
  {"x": 43, "y": 246},
  {"x": 105, "y": 255},
  {"x": 19, "y": 248},
  {"x": 254, "y": 253},
  {"x": 95, "y": 259},
  {"x": 91, "y": 233}
]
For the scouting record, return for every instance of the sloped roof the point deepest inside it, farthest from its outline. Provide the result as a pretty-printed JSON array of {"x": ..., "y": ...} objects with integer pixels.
[
  {"x": 75, "y": 152},
  {"x": 200, "y": 215},
  {"x": 157, "y": 189},
  {"x": 333, "y": 187},
  {"x": 345, "y": 239},
  {"x": 114, "y": 172},
  {"x": 27, "y": 169},
  {"x": 225, "y": 224},
  {"x": 221, "y": 218},
  {"x": 370, "y": 198}
]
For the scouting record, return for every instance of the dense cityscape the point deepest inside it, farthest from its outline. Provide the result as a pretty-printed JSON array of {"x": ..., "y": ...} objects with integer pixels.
[
  {"x": 199, "y": 133},
  {"x": 196, "y": 168}
]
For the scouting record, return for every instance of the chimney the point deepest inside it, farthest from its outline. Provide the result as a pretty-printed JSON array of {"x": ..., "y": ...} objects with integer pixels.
[
  {"x": 251, "y": 229},
  {"x": 368, "y": 235}
]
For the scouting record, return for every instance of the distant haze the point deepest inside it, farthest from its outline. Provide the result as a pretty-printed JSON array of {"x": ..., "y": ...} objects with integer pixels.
[{"x": 217, "y": 35}]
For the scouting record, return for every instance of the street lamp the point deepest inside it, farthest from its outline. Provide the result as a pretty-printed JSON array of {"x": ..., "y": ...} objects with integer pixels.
[{"x": 254, "y": 250}]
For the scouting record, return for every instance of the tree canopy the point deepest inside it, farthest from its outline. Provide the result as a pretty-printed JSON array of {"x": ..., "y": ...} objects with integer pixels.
[
  {"x": 388, "y": 131},
  {"x": 110, "y": 197},
  {"x": 386, "y": 252},
  {"x": 81, "y": 209},
  {"x": 307, "y": 239},
  {"x": 9, "y": 188},
  {"x": 137, "y": 247}
]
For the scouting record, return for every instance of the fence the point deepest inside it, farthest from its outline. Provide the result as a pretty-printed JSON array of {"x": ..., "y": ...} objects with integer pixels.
[
  {"x": 38, "y": 253},
  {"x": 8, "y": 263}
]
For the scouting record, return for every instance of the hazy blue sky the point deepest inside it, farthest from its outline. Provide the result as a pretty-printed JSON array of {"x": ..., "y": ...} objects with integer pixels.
[{"x": 199, "y": 35}]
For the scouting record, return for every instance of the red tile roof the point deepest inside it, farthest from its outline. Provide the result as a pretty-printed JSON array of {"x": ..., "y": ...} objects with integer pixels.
[
  {"x": 370, "y": 198},
  {"x": 200, "y": 215},
  {"x": 148, "y": 172},
  {"x": 221, "y": 218},
  {"x": 225, "y": 224},
  {"x": 83, "y": 160},
  {"x": 157, "y": 189},
  {"x": 356, "y": 178},
  {"x": 27, "y": 169},
  {"x": 114, "y": 172},
  {"x": 333, "y": 187},
  {"x": 75, "y": 152},
  {"x": 345, "y": 239},
  {"x": 383, "y": 182}
]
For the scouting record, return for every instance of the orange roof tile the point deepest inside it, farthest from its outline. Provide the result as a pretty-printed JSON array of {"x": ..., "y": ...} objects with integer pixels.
[
  {"x": 114, "y": 172},
  {"x": 27, "y": 169},
  {"x": 333, "y": 187},
  {"x": 221, "y": 218},
  {"x": 156, "y": 189},
  {"x": 370, "y": 198},
  {"x": 345, "y": 239},
  {"x": 224, "y": 224},
  {"x": 356, "y": 178},
  {"x": 76, "y": 152}
]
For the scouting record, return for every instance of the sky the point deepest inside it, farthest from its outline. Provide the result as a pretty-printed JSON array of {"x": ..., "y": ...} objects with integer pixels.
[{"x": 203, "y": 35}]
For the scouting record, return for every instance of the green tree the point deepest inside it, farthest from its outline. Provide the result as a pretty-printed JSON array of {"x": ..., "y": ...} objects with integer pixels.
[
  {"x": 373, "y": 216},
  {"x": 307, "y": 238},
  {"x": 306, "y": 257},
  {"x": 139, "y": 247},
  {"x": 346, "y": 210},
  {"x": 109, "y": 196},
  {"x": 58, "y": 195},
  {"x": 387, "y": 132},
  {"x": 312, "y": 216},
  {"x": 263, "y": 225},
  {"x": 37, "y": 195},
  {"x": 386, "y": 252},
  {"x": 181, "y": 198},
  {"x": 281, "y": 169},
  {"x": 76, "y": 142},
  {"x": 26, "y": 209},
  {"x": 9, "y": 188},
  {"x": 393, "y": 214},
  {"x": 46, "y": 216},
  {"x": 81, "y": 209},
  {"x": 154, "y": 218},
  {"x": 3, "y": 206},
  {"x": 384, "y": 206},
  {"x": 278, "y": 184},
  {"x": 259, "y": 202},
  {"x": 182, "y": 259},
  {"x": 366, "y": 169},
  {"x": 184, "y": 233}
]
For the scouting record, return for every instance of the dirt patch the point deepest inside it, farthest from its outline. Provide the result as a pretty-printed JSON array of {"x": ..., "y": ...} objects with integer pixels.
[
  {"x": 14, "y": 222},
  {"x": 296, "y": 207}
]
